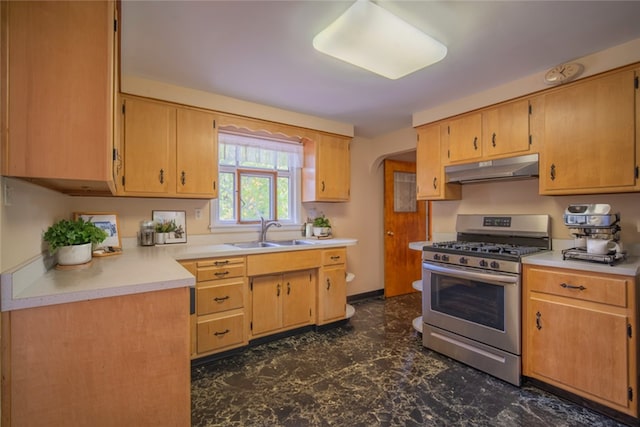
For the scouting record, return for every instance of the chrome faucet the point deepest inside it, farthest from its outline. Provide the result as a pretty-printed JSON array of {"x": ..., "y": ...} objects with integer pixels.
[{"x": 264, "y": 226}]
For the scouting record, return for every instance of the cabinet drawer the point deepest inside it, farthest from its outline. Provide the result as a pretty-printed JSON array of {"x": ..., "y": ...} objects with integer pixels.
[
  {"x": 219, "y": 333},
  {"x": 214, "y": 299},
  {"x": 219, "y": 262},
  {"x": 222, "y": 272},
  {"x": 334, "y": 256},
  {"x": 595, "y": 287}
]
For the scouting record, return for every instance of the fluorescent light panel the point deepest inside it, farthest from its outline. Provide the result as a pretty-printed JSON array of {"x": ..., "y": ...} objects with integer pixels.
[{"x": 371, "y": 37}]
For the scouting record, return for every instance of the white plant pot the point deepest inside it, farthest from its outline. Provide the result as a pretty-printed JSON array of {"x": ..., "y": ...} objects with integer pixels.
[
  {"x": 321, "y": 231},
  {"x": 161, "y": 238},
  {"x": 75, "y": 254}
]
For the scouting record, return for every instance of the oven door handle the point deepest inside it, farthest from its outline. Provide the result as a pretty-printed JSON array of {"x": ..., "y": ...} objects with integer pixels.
[{"x": 466, "y": 274}]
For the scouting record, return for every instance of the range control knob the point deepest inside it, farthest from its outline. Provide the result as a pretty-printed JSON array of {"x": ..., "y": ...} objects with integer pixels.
[
  {"x": 464, "y": 260},
  {"x": 495, "y": 264},
  {"x": 436, "y": 257},
  {"x": 483, "y": 263},
  {"x": 445, "y": 258}
]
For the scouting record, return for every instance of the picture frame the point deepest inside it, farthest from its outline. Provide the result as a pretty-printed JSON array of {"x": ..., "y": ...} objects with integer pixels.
[
  {"x": 179, "y": 235},
  {"x": 108, "y": 221}
]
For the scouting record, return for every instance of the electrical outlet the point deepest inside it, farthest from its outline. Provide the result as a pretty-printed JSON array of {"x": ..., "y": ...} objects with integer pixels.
[
  {"x": 7, "y": 196},
  {"x": 198, "y": 213}
]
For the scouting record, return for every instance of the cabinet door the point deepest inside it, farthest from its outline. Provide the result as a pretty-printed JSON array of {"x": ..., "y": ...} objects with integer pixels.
[
  {"x": 326, "y": 174},
  {"x": 505, "y": 129},
  {"x": 465, "y": 138},
  {"x": 58, "y": 58},
  {"x": 197, "y": 153},
  {"x": 298, "y": 292},
  {"x": 266, "y": 306},
  {"x": 428, "y": 166},
  {"x": 332, "y": 294},
  {"x": 589, "y": 140},
  {"x": 580, "y": 347},
  {"x": 149, "y": 147}
]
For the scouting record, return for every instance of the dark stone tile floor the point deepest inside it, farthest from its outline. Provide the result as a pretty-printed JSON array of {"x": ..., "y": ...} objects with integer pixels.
[{"x": 371, "y": 371}]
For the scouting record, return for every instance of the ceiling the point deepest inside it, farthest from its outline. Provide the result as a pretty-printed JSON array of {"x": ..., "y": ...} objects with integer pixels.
[{"x": 261, "y": 51}]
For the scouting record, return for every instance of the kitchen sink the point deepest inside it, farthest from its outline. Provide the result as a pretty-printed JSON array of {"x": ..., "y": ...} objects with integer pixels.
[
  {"x": 293, "y": 242},
  {"x": 270, "y": 244},
  {"x": 252, "y": 245}
]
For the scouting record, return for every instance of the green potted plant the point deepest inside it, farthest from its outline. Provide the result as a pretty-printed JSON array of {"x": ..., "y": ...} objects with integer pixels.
[
  {"x": 73, "y": 240},
  {"x": 163, "y": 229},
  {"x": 321, "y": 226}
]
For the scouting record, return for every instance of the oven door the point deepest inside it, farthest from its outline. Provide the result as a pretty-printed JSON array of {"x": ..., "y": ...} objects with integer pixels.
[{"x": 482, "y": 306}]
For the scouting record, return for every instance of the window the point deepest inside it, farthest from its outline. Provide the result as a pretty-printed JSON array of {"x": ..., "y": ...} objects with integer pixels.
[{"x": 258, "y": 177}]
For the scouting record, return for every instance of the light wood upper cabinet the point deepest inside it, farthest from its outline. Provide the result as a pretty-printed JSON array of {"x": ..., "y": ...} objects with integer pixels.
[
  {"x": 326, "y": 173},
  {"x": 589, "y": 141},
  {"x": 430, "y": 175},
  {"x": 197, "y": 153},
  {"x": 464, "y": 138},
  {"x": 58, "y": 93},
  {"x": 505, "y": 129},
  {"x": 167, "y": 151},
  {"x": 579, "y": 334}
]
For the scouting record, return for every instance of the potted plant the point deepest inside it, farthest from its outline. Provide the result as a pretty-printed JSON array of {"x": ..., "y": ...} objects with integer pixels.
[
  {"x": 73, "y": 240},
  {"x": 321, "y": 226},
  {"x": 163, "y": 229}
]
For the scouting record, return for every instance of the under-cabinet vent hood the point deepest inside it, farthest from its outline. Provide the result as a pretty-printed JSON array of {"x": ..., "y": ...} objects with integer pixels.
[{"x": 502, "y": 169}]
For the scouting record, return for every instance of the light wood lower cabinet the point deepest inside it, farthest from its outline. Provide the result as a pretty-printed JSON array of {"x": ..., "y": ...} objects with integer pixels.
[
  {"x": 220, "y": 321},
  {"x": 332, "y": 286},
  {"x": 118, "y": 361},
  {"x": 282, "y": 301},
  {"x": 579, "y": 332}
]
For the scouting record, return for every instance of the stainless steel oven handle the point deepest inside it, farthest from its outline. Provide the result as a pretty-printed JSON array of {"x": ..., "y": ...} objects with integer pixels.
[{"x": 466, "y": 274}]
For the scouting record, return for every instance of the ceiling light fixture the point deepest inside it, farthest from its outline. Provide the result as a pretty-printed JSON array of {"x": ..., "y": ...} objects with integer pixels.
[{"x": 370, "y": 37}]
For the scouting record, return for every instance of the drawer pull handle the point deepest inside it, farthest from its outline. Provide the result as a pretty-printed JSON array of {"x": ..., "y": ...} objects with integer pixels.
[
  {"x": 223, "y": 299},
  {"x": 538, "y": 316},
  {"x": 288, "y": 288},
  {"x": 567, "y": 286},
  {"x": 221, "y": 273},
  {"x": 219, "y": 263},
  {"x": 225, "y": 332},
  {"x": 335, "y": 257},
  {"x": 278, "y": 291}
]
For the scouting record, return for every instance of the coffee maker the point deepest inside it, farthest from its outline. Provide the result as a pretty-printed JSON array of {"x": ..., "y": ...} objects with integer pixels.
[{"x": 596, "y": 233}]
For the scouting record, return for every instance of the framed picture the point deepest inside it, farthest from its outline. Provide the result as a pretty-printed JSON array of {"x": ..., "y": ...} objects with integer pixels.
[
  {"x": 108, "y": 221},
  {"x": 172, "y": 222}
]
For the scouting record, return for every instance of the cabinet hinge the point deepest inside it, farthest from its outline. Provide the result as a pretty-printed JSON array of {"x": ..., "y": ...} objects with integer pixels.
[
  {"x": 418, "y": 137},
  {"x": 114, "y": 155},
  {"x": 123, "y": 108},
  {"x": 530, "y": 109},
  {"x": 530, "y": 139},
  {"x": 214, "y": 124},
  {"x": 630, "y": 394},
  {"x": 214, "y": 185},
  {"x": 309, "y": 312},
  {"x": 637, "y": 172},
  {"x": 123, "y": 180},
  {"x": 251, "y": 284},
  {"x": 448, "y": 154},
  {"x": 629, "y": 330},
  {"x": 115, "y": 25},
  {"x": 251, "y": 325},
  {"x": 448, "y": 130},
  {"x": 636, "y": 82}
]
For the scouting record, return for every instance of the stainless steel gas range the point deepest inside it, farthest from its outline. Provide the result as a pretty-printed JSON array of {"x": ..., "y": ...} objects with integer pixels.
[{"x": 472, "y": 290}]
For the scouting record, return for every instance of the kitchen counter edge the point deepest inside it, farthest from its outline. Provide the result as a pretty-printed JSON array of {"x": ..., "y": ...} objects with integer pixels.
[
  {"x": 628, "y": 267},
  {"x": 136, "y": 270}
]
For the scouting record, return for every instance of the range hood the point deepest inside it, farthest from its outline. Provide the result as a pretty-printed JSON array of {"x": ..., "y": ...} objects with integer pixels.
[{"x": 502, "y": 169}]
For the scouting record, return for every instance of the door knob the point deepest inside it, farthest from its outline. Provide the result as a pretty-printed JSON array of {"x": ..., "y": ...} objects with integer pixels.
[{"x": 389, "y": 233}]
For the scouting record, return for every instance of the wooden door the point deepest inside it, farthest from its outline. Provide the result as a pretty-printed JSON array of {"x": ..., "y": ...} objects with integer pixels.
[
  {"x": 505, "y": 129},
  {"x": 584, "y": 347},
  {"x": 298, "y": 289},
  {"x": 197, "y": 153},
  {"x": 266, "y": 309},
  {"x": 405, "y": 220},
  {"x": 332, "y": 294},
  {"x": 465, "y": 138},
  {"x": 149, "y": 146}
]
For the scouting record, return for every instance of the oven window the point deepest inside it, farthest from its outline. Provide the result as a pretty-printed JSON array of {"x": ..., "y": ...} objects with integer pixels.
[{"x": 477, "y": 302}]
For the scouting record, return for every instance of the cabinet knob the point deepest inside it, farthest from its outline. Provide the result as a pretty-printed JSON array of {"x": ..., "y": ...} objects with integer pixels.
[
  {"x": 390, "y": 233},
  {"x": 328, "y": 283},
  {"x": 288, "y": 288},
  {"x": 538, "y": 323},
  {"x": 475, "y": 142},
  {"x": 435, "y": 182},
  {"x": 493, "y": 139},
  {"x": 183, "y": 177},
  {"x": 552, "y": 172},
  {"x": 161, "y": 176}
]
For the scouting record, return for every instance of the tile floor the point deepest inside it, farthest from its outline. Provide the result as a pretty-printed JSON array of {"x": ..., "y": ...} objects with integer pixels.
[{"x": 372, "y": 371}]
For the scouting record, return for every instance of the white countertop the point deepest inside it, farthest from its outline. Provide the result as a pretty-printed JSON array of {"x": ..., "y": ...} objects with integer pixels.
[
  {"x": 627, "y": 267},
  {"x": 136, "y": 270}
]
